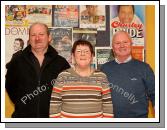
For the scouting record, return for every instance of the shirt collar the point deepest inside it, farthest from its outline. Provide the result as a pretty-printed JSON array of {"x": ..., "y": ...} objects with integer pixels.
[{"x": 125, "y": 61}]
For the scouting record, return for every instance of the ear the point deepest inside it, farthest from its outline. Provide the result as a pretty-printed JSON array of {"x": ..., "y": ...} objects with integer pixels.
[
  {"x": 50, "y": 39},
  {"x": 91, "y": 58},
  {"x": 73, "y": 59},
  {"x": 92, "y": 55}
]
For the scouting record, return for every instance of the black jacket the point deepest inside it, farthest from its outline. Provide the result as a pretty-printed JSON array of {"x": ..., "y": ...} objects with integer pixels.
[{"x": 28, "y": 91}]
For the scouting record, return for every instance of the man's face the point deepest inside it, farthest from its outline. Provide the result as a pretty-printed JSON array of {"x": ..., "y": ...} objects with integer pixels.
[
  {"x": 126, "y": 14},
  {"x": 92, "y": 10},
  {"x": 17, "y": 45},
  {"x": 122, "y": 45},
  {"x": 39, "y": 39}
]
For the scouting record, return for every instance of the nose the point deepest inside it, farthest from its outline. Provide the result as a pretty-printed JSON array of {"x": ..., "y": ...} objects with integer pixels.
[
  {"x": 122, "y": 44},
  {"x": 36, "y": 37},
  {"x": 126, "y": 16},
  {"x": 82, "y": 52}
]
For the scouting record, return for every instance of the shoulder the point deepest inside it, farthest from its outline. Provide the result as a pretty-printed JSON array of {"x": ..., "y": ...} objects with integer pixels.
[
  {"x": 98, "y": 73},
  {"x": 61, "y": 58},
  {"x": 66, "y": 73},
  {"x": 108, "y": 64},
  {"x": 18, "y": 53},
  {"x": 141, "y": 65},
  {"x": 54, "y": 55},
  {"x": 62, "y": 62},
  {"x": 101, "y": 77}
]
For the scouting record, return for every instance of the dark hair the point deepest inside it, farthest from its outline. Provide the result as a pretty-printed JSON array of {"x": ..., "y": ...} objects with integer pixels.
[
  {"x": 119, "y": 6},
  {"x": 21, "y": 42},
  {"x": 84, "y": 43},
  {"x": 46, "y": 27}
]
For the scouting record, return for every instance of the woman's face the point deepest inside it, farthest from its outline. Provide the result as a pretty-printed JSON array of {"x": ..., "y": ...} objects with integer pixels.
[{"x": 83, "y": 56}]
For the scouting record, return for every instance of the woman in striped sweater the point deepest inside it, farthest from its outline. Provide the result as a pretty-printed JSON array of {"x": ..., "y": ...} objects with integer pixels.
[{"x": 81, "y": 92}]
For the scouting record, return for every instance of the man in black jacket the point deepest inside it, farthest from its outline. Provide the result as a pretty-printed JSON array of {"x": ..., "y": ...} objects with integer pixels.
[{"x": 30, "y": 76}]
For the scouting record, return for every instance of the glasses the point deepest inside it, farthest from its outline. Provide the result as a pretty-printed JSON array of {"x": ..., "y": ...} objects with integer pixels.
[{"x": 83, "y": 51}]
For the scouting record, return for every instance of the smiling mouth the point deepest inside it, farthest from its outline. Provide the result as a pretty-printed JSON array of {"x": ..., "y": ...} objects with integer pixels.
[{"x": 124, "y": 49}]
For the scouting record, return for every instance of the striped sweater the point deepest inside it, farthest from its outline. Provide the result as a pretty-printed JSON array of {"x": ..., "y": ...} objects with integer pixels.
[{"x": 74, "y": 96}]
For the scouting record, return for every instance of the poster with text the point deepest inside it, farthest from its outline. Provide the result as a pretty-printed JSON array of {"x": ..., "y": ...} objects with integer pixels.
[
  {"x": 62, "y": 41},
  {"x": 103, "y": 55},
  {"x": 129, "y": 18},
  {"x": 65, "y": 16},
  {"x": 12, "y": 36},
  {"x": 39, "y": 13},
  {"x": 93, "y": 16}
]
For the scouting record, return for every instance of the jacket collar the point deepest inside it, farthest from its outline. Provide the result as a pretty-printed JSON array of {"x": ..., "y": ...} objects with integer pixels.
[{"x": 50, "y": 51}]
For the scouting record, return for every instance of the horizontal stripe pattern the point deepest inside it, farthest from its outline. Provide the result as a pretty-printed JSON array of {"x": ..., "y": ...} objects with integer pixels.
[
  {"x": 81, "y": 97},
  {"x": 85, "y": 115}
]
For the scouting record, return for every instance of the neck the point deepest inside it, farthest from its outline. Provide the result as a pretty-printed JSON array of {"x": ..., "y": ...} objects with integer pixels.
[
  {"x": 39, "y": 53},
  {"x": 87, "y": 71},
  {"x": 122, "y": 59}
]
